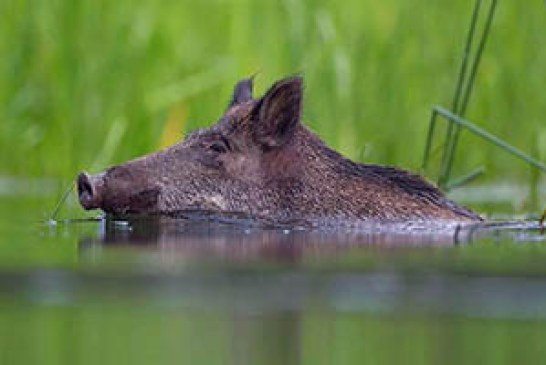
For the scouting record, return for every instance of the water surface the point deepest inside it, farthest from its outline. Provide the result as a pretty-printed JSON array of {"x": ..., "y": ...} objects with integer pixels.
[{"x": 162, "y": 290}]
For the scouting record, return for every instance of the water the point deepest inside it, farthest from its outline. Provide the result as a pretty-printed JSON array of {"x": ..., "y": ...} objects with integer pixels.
[{"x": 173, "y": 291}]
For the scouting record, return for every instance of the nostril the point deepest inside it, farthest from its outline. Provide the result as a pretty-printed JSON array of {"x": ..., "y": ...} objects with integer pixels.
[
  {"x": 84, "y": 186},
  {"x": 86, "y": 191}
]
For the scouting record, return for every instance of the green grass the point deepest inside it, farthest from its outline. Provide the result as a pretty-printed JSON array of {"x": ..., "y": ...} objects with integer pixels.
[{"x": 84, "y": 84}]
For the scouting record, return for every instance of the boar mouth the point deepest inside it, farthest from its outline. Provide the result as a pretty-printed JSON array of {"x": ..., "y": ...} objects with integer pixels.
[
  {"x": 144, "y": 201},
  {"x": 93, "y": 193}
]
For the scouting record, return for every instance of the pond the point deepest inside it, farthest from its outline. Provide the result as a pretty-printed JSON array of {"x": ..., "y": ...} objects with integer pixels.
[{"x": 162, "y": 290}]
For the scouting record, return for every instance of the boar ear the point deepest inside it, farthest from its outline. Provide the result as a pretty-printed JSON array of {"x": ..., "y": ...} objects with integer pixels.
[
  {"x": 242, "y": 92},
  {"x": 278, "y": 112}
]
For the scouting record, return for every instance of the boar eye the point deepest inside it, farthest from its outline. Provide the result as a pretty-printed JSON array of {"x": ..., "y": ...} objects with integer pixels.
[{"x": 219, "y": 146}]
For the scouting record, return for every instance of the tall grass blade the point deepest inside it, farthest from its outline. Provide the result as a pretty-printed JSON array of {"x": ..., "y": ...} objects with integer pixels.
[
  {"x": 452, "y": 143},
  {"x": 505, "y": 146},
  {"x": 60, "y": 202},
  {"x": 452, "y": 134}
]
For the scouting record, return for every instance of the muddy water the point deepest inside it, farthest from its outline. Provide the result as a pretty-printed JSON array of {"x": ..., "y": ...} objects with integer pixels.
[{"x": 163, "y": 290}]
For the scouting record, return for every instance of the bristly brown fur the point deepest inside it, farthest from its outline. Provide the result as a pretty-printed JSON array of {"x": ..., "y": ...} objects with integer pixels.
[{"x": 260, "y": 161}]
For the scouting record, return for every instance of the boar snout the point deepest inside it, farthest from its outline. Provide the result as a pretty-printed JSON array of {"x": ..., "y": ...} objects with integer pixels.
[{"x": 89, "y": 190}]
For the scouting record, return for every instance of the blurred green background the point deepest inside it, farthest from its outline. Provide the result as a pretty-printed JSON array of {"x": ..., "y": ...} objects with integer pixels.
[{"x": 88, "y": 83}]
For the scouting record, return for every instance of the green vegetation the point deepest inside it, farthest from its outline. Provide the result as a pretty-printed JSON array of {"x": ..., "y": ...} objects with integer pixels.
[{"x": 88, "y": 83}]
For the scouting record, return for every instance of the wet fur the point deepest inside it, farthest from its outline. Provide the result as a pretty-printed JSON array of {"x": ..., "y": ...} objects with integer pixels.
[{"x": 259, "y": 160}]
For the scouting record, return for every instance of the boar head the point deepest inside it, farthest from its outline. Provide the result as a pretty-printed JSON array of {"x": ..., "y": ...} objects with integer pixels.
[
  {"x": 258, "y": 160},
  {"x": 244, "y": 163}
]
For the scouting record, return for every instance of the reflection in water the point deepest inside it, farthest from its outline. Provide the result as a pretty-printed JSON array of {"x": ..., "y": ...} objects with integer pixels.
[
  {"x": 165, "y": 291},
  {"x": 205, "y": 238},
  {"x": 200, "y": 241},
  {"x": 248, "y": 240},
  {"x": 200, "y": 264},
  {"x": 181, "y": 291}
]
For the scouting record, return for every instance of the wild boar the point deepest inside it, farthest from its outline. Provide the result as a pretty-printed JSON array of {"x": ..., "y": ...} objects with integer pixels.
[{"x": 259, "y": 161}]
